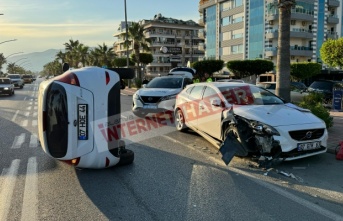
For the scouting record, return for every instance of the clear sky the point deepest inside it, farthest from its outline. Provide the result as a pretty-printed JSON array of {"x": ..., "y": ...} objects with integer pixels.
[{"x": 39, "y": 25}]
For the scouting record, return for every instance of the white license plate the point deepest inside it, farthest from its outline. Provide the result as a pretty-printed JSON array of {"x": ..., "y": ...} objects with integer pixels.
[
  {"x": 82, "y": 126},
  {"x": 308, "y": 146},
  {"x": 150, "y": 106}
]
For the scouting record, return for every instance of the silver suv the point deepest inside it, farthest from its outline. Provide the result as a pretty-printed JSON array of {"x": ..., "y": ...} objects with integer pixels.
[{"x": 16, "y": 80}]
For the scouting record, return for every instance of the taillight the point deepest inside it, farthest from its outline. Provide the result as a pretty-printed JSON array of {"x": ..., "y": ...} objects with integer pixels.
[
  {"x": 73, "y": 162},
  {"x": 68, "y": 78},
  {"x": 107, "y": 77}
]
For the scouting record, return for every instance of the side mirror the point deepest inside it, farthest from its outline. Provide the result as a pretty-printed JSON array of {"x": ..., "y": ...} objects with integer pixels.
[{"x": 216, "y": 102}]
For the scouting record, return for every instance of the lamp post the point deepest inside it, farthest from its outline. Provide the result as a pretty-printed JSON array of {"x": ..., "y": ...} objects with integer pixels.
[
  {"x": 14, "y": 54},
  {"x": 22, "y": 63},
  {"x": 8, "y": 41},
  {"x": 19, "y": 60},
  {"x": 126, "y": 40}
]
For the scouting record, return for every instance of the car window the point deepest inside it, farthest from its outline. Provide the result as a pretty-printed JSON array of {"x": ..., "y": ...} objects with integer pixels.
[
  {"x": 197, "y": 92},
  {"x": 165, "y": 82},
  {"x": 5, "y": 81},
  {"x": 187, "y": 81},
  {"x": 322, "y": 85},
  {"x": 57, "y": 120},
  {"x": 13, "y": 76},
  {"x": 209, "y": 93}
]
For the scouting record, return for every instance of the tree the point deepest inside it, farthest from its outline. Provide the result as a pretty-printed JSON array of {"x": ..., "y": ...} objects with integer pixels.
[
  {"x": 121, "y": 62},
  {"x": 82, "y": 51},
  {"x": 283, "y": 66},
  {"x": 136, "y": 37},
  {"x": 71, "y": 53},
  {"x": 304, "y": 70},
  {"x": 207, "y": 66},
  {"x": 105, "y": 55},
  {"x": 2, "y": 60},
  {"x": 246, "y": 68},
  {"x": 331, "y": 52}
]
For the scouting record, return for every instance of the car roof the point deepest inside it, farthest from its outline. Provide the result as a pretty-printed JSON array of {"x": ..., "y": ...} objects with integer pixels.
[{"x": 223, "y": 83}]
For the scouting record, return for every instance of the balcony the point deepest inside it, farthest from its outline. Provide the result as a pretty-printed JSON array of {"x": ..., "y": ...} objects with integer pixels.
[
  {"x": 333, "y": 3},
  {"x": 201, "y": 47},
  {"x": 331, "y": 35},
  {"x": 202, "y": 34},
  {"x": 295, "y": 33},
  {"x": 333, "y": 19},
  {"x": 297, "y": 14},
  {"x": 295, "y": 50}
]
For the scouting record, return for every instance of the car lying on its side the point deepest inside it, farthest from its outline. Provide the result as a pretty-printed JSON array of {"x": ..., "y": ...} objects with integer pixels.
[
  {"x": 241, "y": 118},
  {"x": 16, "y": 80},
  {"x": 6, "y": 86},
  {"x": 158, "y": 95},
  {"x": 74, "y": 114}
]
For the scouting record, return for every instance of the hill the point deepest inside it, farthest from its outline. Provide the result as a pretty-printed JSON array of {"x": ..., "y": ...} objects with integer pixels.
[{"x": 33, "y": 61}]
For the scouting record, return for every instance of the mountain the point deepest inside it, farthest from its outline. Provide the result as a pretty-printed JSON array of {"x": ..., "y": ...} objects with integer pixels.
[{"x": 33, "y": 61}]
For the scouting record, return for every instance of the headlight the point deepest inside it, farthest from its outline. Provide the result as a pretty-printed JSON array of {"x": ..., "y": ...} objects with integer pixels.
[
  {"x": 6, "y": 88},
  {"x": 136, "y": 96},
  {"x": 262, "y": 128},
  {"x": 169, "y": 97}
]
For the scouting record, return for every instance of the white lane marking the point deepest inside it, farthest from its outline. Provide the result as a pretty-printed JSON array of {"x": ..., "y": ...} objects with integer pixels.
[
  {"x": 27, "y": 114},
  {"x": 33, "y": 141},
  {"x": 36, "y": 103},
  {"x": 34, "y": 123},
  {"x": 30, "y": 201},
  {"x": 29, "y": 108},
  {"x": 18, "y": 141},
  {"x": 314, "y": 207},
  {"x": 15, "y": 116},
  {"x": 7, "y": 189},
  {"x": 34, "y": 114},
  {"x": 24, "y": 123}
]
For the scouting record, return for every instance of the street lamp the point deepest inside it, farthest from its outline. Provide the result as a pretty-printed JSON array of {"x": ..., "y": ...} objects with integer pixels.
[
  {"x": 126, "y": 40},
  {"x": 19, "y": 60},
  {"x": 8, "y": 41},
  {"x": 22, "y": 63},
  {"x": 14, "y": 54}
]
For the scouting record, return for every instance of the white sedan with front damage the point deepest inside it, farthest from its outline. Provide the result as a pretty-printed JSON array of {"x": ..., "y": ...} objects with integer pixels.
[
  {"x": 241, "y": 118},
  {"x": 74, "y": 111}
]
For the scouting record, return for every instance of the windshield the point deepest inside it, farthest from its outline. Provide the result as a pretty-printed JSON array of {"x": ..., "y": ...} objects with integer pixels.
[
  {"x": 165, "y": 82},
  {"x": 322, "y": 85},
  {"x": 249, "y": 95},
  {"x": 5, "y": 81}
]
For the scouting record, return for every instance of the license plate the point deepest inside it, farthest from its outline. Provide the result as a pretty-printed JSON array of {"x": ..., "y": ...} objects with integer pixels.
[
  {"x": 150, "y": 106},
  {"x": 82, "y": 126},
  {"x": 308, "y": 146}
]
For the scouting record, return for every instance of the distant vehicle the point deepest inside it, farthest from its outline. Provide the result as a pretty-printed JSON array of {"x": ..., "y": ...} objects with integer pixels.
[
  {"x": 183, "y": 71},
  {"x": 230, "y": 80},
  {"x": 16, "y": 80},
  {"x": 325, "y": 87},
  {"x": 27, "y": 78},
  {"x": 6, "y": 86},
  {"x": 296, "y": 94},
  {"x": 74, "y": 110},
  {"x": 299, "y": 85},
  {"x": 158, "y": 95}
]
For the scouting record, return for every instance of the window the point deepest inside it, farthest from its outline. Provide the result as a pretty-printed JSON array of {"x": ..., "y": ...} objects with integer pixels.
[
  {"x": 197, "y": 92},
  {"x": 226, "y": 20},
  {"x": 236, "y": 49}
]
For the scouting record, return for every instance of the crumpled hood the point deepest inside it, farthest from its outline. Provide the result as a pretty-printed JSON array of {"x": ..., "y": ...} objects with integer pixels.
[
  {"x": 157, "y": 92},
  {"x": 276, "y": 115}
]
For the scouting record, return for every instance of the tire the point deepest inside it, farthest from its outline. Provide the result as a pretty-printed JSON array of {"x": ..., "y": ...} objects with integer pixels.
[
  {"x": 126, "y": 157},
  {"x": 140, "y": 114},
  {"x": 21, "y": 87},
  {"x": 244, "y": 150},
  {"x": 180, "y": 121}
]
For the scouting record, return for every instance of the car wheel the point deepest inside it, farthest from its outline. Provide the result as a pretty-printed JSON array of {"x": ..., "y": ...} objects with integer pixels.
[
  {"x": 242, "y": 152},
  {"x": 126, "y": 157},
  {"x": 180, "y": 121},
  {"x": 140, "y": 114},
  {"x": 21, "y": 87}
]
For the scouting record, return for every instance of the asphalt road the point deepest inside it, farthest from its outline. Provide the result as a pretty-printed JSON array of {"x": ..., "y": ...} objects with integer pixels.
[{"x": 175, "y": 176}]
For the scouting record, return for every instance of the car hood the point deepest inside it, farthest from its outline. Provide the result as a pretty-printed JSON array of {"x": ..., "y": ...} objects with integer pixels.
[
  {"x": 5, "y": 85},
  {"x": 277, "y": 115},
  {"x": 157, "y": 92}
]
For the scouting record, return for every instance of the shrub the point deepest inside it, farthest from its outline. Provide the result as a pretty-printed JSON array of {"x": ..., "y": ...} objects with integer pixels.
[{"x": 313, "y": 102}]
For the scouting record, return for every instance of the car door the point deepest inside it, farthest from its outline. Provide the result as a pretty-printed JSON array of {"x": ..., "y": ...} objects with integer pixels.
[
  {"x": 190, "y": 109},
  {"x": 210, "y": 112}
]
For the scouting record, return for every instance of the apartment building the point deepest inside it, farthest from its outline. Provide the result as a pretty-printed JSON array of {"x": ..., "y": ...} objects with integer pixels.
[
  {"x": 248, "y": 29},
  {"x": 167, "y": 33}
]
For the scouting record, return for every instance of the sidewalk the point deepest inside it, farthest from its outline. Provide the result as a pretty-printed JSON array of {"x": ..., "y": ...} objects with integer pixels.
[{"x": 335, "y": 132}]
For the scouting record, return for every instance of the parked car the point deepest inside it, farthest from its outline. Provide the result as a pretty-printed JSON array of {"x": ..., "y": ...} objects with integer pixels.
[
  {"x": 325, "y": 87},
  {"x": 243, "y": 118},
  {"x": 6, "y": 86},
  {"x": 296, "y": 94},
  {"x": 74, "y": 111},
  {"x": 16, "y": 80},
  {"x": 158, "y": 95},
  {"x": 231, "y": 80},
  {"x": 299, "y": 85},
  {"x": 27, "y": 78},
  {"x": 183, "y": 71}
]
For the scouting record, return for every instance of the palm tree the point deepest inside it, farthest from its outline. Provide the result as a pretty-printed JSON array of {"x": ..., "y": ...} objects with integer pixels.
[
  {"x": 2, "y": 60},
  {"x": 11, "y": 68},
  {"x": 71, "y": 54},
  {"x": 283, "y": 66},
  {"x": 136, "y": 37},
  {"x": 82, "y": 52},
  {"x": 62, "y": 56},
  {"x": 105, "y": 55}
]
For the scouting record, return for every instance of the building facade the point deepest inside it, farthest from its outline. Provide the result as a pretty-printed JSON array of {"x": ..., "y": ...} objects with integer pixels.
[
  {"x": 167, "y": 33},
  {"x": 248, "y": 29}
]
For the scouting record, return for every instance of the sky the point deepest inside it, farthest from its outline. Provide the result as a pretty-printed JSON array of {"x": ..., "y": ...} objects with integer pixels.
[{"x": 39, "y": 25}]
